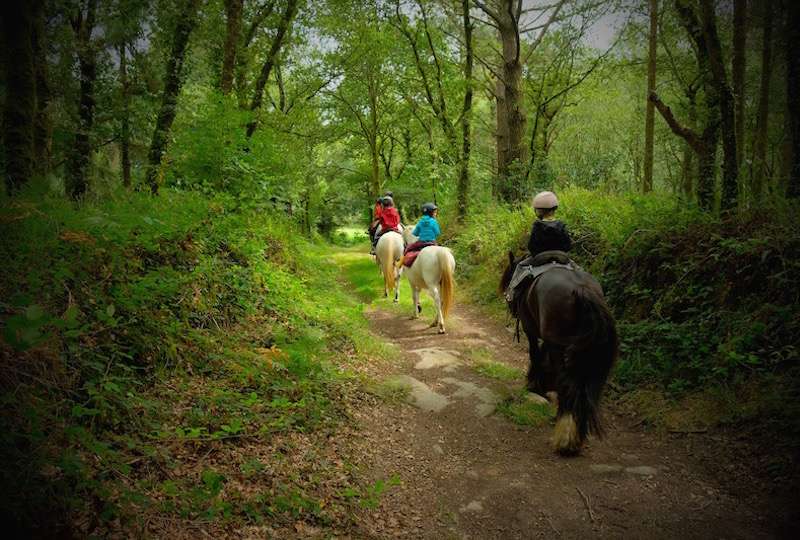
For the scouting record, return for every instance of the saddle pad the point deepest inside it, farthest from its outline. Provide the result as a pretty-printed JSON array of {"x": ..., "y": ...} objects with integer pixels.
[
  {"x": 521, "y": 273},
  {"x": 413, "y": 250}
]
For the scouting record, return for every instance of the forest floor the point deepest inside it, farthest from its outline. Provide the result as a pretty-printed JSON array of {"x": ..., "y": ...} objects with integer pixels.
[{"x": 466, "y": 456}]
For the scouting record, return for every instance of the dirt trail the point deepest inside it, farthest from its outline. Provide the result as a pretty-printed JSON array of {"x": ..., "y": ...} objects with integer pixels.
[{"x": 467, "y": 472}]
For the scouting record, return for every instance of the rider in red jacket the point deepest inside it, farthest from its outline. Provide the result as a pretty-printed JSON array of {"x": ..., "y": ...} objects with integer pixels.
[{"x": 388, "y": 220}]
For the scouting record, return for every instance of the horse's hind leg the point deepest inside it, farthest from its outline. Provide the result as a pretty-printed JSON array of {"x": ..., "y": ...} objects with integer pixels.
[
  {"x": 437, "y": 300},
  {"x": 417, "y": 307},
  {"x": 397, "y": 275}
]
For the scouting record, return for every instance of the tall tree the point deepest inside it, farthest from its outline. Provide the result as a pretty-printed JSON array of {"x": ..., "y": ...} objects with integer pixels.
[
  {"x": 429, "y": 61},
  {"x": 759, "y": 166},
  {"x": 505, "y": 16},
  {"x": 703, "y": 140},
  {"x": 233, "y": 14},
  {"x": 793, "y": 95},
  {"x": 649, "y": 122},
  {"x": 125, "y": 121},
  {"x": 172, "y": 85},
  {"x": 277, "y": 42},
  {"x": 724, "y": 96},
  {"x": 42, "y": 129},
  {"x": 738, "y": 68},
  {"x": 20, "y": 106},
  {"x": 83, "y": 24},
  {"x": 466, "y": 116},
  {"x": 261, "y": 14}
]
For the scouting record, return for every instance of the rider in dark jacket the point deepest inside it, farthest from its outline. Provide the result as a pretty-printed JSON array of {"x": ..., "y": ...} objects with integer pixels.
[{"x": 547, "y": 233}]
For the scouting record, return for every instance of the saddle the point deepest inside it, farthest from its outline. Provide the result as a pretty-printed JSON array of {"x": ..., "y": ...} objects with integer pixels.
[
  {"x": 533, "y": 267},
  {"x": 413, "y": 251}
]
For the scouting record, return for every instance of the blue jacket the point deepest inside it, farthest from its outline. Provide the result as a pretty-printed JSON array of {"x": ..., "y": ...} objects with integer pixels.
[{"x": 427, "y": 229}]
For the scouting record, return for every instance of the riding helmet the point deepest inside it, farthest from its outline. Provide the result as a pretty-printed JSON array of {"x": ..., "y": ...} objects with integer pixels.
[
  {"x": 546, "y": 200},
  {"x": 428, "y": 208},
  {"x": 387, "y": 201},
  {"x": 388, "y": 194}
]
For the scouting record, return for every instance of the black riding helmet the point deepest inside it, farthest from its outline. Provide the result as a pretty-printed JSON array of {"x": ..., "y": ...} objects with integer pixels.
[
  {"x": 428, "y": 208},
  {"x": 387, "y": 201}
]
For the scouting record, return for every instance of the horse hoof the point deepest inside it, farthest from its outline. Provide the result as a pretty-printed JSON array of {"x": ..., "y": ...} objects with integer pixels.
[{"x": 441, "y": 330}]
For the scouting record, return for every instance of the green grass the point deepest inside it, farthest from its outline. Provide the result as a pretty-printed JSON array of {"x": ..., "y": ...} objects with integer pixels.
[
  {"x": 350, "y": 236},
  {"x": 391, "y": 389},
  {"x": 364, "y": 276},
  {"x": 521, "y": 411},
  {"x": 483, "y": 363},
  {"x": 149, "y": 331}
]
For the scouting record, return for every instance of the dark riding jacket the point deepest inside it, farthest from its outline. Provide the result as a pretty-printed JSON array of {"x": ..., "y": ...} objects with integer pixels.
[{"x": 548, "y": 235}]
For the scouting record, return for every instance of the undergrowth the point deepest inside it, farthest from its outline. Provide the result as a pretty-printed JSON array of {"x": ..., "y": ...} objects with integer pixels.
[
  {"x": 703, "y": 304},
  {"x": 142, "y": 331}
]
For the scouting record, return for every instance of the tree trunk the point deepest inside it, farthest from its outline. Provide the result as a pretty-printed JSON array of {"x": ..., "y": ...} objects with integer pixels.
[
  {"x": 730, "y": 171},
  {"x": 242, "y": 51},
  {"x": 689, "y": 169},
  {"x": 125, "y": 128},
  {"x": 466, "y": 116},
  {"x": 43, "y": 127},
  {"x": 793, "y": 94},
  {"x": 501, "y": 136},
  {"x": 706, "y": 171},
  {"x": 514, "y": 155},
  {"x": 172, "y": 87},
  {"x": 688, "y": 172},
  {"x": 649, "y": 122},
  {"x": 20, "y": 106},
  {"x": 375, "y": 173},
  {"x": 233, "y": 14},
  {"x": 269, "y": 63},
  {"x": 759, "y": 165},
  {"x": 738, "y": 65},
  {"x": 78, "y": 165}
]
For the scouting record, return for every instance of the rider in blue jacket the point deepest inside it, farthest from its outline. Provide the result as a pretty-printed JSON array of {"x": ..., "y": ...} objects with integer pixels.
[{"x": 426, "y": 231}]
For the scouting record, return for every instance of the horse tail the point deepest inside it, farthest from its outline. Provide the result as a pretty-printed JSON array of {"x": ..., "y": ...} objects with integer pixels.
[
  {"x": 385, "y": 255},
  {"x": 447, "y": 283},
  {"x": 387, "y": 267},
  {"x": 588, "y": 362}
]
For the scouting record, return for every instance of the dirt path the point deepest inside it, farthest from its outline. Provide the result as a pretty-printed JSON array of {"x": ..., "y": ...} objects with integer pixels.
[{"x": 466, "y": 471}]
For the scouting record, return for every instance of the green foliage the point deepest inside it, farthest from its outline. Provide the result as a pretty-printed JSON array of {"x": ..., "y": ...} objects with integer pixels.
[
  {"x": 698, "y": 300},
  {"x": 141, "y": 323}
]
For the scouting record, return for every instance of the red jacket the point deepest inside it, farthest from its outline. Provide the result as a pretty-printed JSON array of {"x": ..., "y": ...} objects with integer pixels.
[
  {"x": 389, "y": 218},
  {"x": 377, "y": 211}
]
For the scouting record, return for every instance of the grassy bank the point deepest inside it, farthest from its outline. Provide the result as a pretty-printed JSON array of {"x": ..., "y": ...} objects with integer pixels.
[{"x": 168, "y": 365}]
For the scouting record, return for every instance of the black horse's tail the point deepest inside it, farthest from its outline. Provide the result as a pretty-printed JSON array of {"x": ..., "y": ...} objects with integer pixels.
[{"x": 588, "y": 362}]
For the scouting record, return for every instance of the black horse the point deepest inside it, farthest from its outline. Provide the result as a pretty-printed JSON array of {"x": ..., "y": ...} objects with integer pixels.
[{"x": 566, "y": 309}]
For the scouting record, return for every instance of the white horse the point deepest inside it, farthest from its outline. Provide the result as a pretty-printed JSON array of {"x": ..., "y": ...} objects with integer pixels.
[
  {"x": 433, "y": 270},
  {"x": 387, "y": 254}
]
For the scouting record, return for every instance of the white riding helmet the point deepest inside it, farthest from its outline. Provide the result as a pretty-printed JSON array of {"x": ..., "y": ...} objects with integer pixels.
[{"x": 545, "y": 201}]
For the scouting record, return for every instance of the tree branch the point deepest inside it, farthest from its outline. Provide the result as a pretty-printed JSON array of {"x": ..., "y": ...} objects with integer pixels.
[{"x": 689, "y": 135}]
